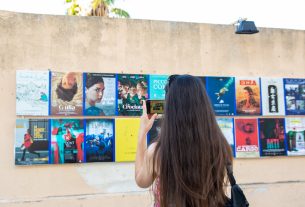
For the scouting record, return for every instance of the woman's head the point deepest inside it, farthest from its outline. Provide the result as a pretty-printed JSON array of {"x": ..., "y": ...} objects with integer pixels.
[
  {"x": 248, "y": 91},
  {"x": 68, "y": 80},
  {"x": 192, "y": 151},
  {"x": 67, "y": 87},
  {"x": 94, "y": 89}
]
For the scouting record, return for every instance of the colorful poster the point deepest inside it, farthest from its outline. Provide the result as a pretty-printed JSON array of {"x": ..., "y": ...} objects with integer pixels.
[
  {"x": 221, "y": 91},
  {"x": 227, "y": 127},
  {"x": 295, "y": 133},
  {"x": 126, "y": 139},
  {"x": 99, "y": 140},
  {"x": 157, "y": 85},
  {"x": 67, "y": 138},
  {"x": 295, "y": 96},
  {"x": 154, "y": 132},
  {"x": 247, "y": 96},
  {"x": 67, "y": 94},
  {"x": 272, "y": 137},
  {"x": 272, "y": 96},
  {"x": 246, "y": 138},
  {"x": 100, "y": 94},
  {"x": 131, "y": 90},
  {"x": 32, "y": 93},
  {"x": 31, "y": 142}
]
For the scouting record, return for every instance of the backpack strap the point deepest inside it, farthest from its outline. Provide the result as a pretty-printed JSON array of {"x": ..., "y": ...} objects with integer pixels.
[{"x": 230, "y": 175}]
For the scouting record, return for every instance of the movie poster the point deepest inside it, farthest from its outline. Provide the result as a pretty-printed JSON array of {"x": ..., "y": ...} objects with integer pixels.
[
  {"x": 227, "y": 127},
  {"x": 247, "y": 96},
  {"x": 272, "y": 137},
  {"x": 132, "y": 89},
  {"x": 67, "y": 141},
  {"x": 126, "y": 139},
  {"x": 31, "y": 142},
  {"x": 221, "y": 91},
  {"x": 99, "y": 140},
  {"x": 100, "y": 94},
  {"x": 32, "y": 93},
  {"x": 154, "y": 132},
  {"x": 157, "y": 85},
  {"x": 272, "y": 90},
  {"x": 295, "y": 133},
  {"x": 67, "y": 93},
  {"x": 295, "y": 96},
  {"x": 246, "y": 138}
]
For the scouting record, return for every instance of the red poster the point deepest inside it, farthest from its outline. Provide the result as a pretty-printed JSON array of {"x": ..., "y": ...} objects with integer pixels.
[{"x": 246, "y": 138}]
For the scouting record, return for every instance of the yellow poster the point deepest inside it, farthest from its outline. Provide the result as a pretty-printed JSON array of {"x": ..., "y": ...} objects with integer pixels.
[{"x": 126, "y": 139}]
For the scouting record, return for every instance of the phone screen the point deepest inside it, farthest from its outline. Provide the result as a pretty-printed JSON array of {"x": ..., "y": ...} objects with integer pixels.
[{"x": 155, "y": 106}]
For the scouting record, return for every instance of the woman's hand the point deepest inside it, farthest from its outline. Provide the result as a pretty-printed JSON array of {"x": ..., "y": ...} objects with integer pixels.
[{"x": 146, "y": 122}]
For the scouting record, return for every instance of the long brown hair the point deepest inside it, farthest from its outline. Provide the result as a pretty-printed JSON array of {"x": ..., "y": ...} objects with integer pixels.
[{"x": 191, "y": 154}]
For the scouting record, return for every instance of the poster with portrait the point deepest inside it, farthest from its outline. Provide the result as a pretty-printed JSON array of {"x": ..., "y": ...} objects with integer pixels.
[
  {"x": 100, "y": 94},
  {"x": 66, "y": 93},
  {"x": 246, "y": 138},
  {"x": 272, "y": 91},
  {"x": 99, "y": 142},
  {"x": 247, "y": 96},
  {"x": 295, "y": 135},
  {"x": 32, "y": 93},
  {"x": 272, "y": 137},
  {"x": 67, "y": 141},
  {"x": 132, "y": 89},
  {"x": 31, "y": 142},
  {"x": 154, "y": 132},
  {"x": 126, "y": 139},
  {"x": 227, "y": 127},
  {"x": 294, "y": 96},
  {"x": 157, "y": 85},
  {"x": 221, "y": 91}
]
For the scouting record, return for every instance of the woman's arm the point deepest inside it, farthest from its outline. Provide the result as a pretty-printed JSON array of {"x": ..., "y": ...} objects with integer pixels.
[{"x": 144, "y": 156}]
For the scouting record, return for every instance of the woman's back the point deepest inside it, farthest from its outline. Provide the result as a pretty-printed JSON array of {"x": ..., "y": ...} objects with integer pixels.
[{"x": 191, "y": 154}]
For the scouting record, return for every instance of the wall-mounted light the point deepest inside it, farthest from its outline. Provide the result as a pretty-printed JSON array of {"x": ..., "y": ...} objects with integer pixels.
[{"x": 245, "y": 27}]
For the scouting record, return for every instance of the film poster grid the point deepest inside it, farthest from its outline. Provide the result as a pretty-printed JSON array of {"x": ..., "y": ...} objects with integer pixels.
[{"x": 57, "y": 141}]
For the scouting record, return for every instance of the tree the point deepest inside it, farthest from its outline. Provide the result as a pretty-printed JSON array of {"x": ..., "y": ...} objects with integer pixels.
[{"x": 104, "y": 8}]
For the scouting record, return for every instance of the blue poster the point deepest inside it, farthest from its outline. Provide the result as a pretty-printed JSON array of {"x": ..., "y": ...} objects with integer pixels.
[
  {"x": 294, "y": 96},
  {"x": 99, "y": 140},
  {"x": 221, "y": 92},
  {"x": 156, "y": 85}
]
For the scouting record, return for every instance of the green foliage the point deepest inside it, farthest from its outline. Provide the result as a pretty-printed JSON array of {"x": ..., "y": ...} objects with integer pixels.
[
  {"x": 120, "y": 13},
  {"x": 106, "y": 6},
  {"x": 74, "y": 9}
]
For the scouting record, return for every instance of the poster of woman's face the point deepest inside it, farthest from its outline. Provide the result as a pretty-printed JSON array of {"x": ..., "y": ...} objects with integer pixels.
[
  {"x": 67, "y": 93},
  {"x": 100, "y": 94}
]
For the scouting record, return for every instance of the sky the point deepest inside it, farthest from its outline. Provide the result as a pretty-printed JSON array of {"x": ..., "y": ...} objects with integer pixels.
[{"x": 265, "y": 13}]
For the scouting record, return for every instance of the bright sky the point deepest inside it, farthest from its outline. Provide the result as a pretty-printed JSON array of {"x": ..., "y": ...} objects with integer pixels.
[{"x": 266, "y": 13}]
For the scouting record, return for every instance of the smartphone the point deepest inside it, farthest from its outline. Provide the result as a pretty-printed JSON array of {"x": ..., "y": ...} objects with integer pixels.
[{"x": 155, "y": 106}]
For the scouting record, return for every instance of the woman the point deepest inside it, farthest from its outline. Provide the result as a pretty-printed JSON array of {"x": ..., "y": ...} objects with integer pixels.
[
  {"x": 27, "y": 144},
  {"x": 187, "y": 164},
  {"x": 94, "y": 94},
  {"x": 249, "y": 102}
]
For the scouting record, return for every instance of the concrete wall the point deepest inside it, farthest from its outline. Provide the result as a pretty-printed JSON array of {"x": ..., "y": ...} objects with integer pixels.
[{"x": 64, "y": 43}]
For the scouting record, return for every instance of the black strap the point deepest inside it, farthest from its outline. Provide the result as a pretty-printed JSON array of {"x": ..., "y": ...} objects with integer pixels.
[{"x": 230, "y": 175}]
